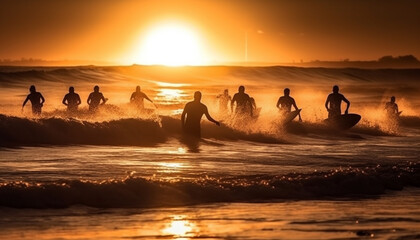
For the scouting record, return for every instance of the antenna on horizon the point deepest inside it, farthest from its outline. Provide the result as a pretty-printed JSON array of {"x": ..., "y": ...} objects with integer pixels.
[{"x": 246, "y": 46}]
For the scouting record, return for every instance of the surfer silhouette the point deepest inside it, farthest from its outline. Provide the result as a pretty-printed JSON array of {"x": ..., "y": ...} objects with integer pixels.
[
  {"x": 224, "y": 100},
  {"x": 391, "y": 107},
  {"x": 95, "y": 98},
  {"x": 285, "y": 103},
  {"x": 137, "y": 98},
  {"x": 333, "y": 103},
  {"x": 193, "y": 111},
  {"x": 72, "y": 100},
  {"x": 243, "y": 103},
  {"x": 37, "y": 100}
]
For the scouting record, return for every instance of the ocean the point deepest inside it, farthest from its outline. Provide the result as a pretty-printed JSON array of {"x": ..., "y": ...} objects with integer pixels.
[{"x": 125, "y": 174}]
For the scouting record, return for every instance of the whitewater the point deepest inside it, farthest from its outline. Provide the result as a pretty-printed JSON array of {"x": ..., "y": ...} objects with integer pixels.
[{"x": 121, "y": 174}]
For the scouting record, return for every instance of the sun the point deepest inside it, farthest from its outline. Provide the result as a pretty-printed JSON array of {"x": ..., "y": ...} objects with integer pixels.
[{"x": 171, "y": 45}]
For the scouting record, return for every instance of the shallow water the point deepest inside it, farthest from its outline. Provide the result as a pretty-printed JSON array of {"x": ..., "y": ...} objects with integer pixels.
[{"x": 118, "y": 175}]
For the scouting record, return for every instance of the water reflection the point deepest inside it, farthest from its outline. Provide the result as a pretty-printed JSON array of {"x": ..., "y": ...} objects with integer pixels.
[
  {"x": 180, "y": 228},
  {"x": 170, "y": 96}
]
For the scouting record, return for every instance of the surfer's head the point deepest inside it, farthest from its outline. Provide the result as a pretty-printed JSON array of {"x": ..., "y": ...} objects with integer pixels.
[
  {"x": 392, "y": 99},
  {"x": 96, "y": 89},
  {"x": 138, "y": 89},
  {"x": 197, "y": 96},
  {"x": 226, "y": 92},
  {"x": 335, "y": 89},
  {"x": 241, "y": 89},
  {"x": 286, "y": 92},
  {"x": 32, "y": 89},
  {"x": 71, "y": 89}
]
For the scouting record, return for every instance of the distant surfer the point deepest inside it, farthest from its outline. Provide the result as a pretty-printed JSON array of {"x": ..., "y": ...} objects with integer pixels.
[
  {"x": 391, "y": 107},
  {"x": 72, "y": 100},
  {"x": 224, "y": 100},
  {"x": 285, "y": 103},
  {"x": 95, "y": 98},
  {"x": 137, "y": 98},
  {"x": 193, "y": 111},
  {"x": 333, "y": 103},
  {"x": 243, "y": 103},
  {"x": 37, "y": 100}
]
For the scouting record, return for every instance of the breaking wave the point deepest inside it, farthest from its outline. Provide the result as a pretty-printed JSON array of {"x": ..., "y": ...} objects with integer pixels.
[{"x": 343, "y": 183}]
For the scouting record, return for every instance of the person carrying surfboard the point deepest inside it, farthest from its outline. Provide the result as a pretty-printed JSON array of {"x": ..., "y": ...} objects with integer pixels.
[
  {"x": 285, "y": 103},
  {"x": 333, "y": 103},
  {"x": 243, "y": 101},
  {"x": 392, "y": 108},
  {"x": 95, "y": 98},
  {"x": 193, "y": 111}
]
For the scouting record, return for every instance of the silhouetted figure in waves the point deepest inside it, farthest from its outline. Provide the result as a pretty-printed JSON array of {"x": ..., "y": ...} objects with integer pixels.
[
  {"x": 333, "y": 103},
  {"x": 392, "y": 108},
  {"x": 94, "y": 99},
  {"x": 224, "y": 100},
  {"x": 194, "y": 111},
  {"x": 37, "y": 100},
  {"x": 137, "y": 98},
  {"x": 243, "y": 103},
  {"x": 72, "y": 100},
  {"x": 285, "y": 103}
]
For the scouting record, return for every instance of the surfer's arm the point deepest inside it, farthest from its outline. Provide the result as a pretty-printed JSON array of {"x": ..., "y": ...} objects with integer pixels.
[
  {"x": 24, "y": 102},
  {"x": 327, "y": 102},
  {"x": 396, "y": 109},
  {"x": 145, "y": 96},
  {"x": 348, "y": 105},
  {"x": 251, "y": 107},
  {"x": 89, "y": 99},
  {"x": 64, "y": 100},
  {"x": 296, "y": 107},
  {"x": 184, "y": 112},
  {"x": 210, "y": 118},
  {"x": 278, "y": 104},
  {"x": 103, "y": 99},
  {"x": 42, "y": 99},
  {"x": 79, "y": 101}
]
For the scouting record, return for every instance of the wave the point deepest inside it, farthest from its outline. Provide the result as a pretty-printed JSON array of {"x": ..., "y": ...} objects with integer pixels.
[
  {"x": 15, "y": 131},
  {"x": 154, "y": 129},
  {"x": 347, "y": 183}
]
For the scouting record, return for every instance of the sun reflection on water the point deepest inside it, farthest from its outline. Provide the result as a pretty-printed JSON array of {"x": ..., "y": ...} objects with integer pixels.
[{"x": 180, "y": 228}]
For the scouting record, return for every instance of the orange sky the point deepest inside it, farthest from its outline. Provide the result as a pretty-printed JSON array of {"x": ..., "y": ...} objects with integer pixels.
[{"x": 278, "y": 31}]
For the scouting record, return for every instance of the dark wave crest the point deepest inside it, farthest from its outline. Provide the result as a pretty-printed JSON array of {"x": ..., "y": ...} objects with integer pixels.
[
  {"x": 140, "y": 192},
  {"x": 16, "y": 131}
]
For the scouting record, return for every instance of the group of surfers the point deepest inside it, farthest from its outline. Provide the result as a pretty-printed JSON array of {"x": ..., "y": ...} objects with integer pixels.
[
  {"x": 193, "y": 111},
  {"x": 72, "y": 100}
]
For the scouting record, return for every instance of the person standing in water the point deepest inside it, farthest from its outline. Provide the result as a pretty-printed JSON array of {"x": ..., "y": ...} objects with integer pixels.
[
  {"x": 285, "y": 103},
  {"x": 391, "y": 107},
  {"x": 333, "y": 103},
  {"x": 242, "y": 101},
  {"x": 72, "y": 100},
  {"x": 194, "y": 111},
  {"x": 37, "y": 100},
  {"x": 94, "y": 99},
  {"x": 138, "y": 97},
  {"x": 224, "y": 100}
]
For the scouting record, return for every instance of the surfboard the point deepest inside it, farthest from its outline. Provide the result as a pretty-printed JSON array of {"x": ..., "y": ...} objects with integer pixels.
[
  {"x": 256, "y": 113},
  {"x": 344, "y": 121},
  {"x": 288, "y": 117}
]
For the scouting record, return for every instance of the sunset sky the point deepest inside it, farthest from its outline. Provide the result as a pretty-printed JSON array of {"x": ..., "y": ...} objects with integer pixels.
[{"x": 277, "y": 31}]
